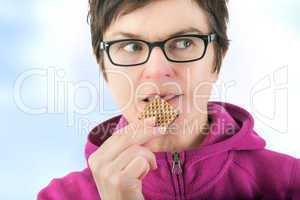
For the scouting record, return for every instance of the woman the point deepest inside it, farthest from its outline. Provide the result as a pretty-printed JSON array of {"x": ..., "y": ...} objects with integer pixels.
[{"x": 172, "y": 49}]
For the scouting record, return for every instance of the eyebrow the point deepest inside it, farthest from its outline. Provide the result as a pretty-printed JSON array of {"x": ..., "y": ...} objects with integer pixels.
[{"x": 180, "y": 32}]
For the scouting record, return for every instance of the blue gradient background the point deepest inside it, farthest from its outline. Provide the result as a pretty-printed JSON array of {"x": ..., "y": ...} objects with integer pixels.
[{"x": 35, "y": 148}]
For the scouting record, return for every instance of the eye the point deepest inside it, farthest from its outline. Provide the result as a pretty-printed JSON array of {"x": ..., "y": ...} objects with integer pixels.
[
  {"x": 132, "y": 46},
  {"x": 181, "y": 43}
]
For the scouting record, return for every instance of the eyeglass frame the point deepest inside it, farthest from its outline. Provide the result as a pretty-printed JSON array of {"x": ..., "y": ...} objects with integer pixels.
[{"x": 105, "y": 46}]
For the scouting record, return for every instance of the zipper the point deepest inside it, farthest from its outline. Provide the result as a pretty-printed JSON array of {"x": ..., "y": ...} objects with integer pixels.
[
  {"x": 176, "y": 165},
  {"x": 177, "y": 175}
]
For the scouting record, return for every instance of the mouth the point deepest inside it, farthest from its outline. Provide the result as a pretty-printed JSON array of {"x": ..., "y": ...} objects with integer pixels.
[{"x": 166, "y": 97}]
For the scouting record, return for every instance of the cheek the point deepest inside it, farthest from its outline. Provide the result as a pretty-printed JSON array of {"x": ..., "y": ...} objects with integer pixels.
[
  {"x": 121, "y": 87},
  {"x": 200, "y": 79},
  {"x": 201, "y": 71}
]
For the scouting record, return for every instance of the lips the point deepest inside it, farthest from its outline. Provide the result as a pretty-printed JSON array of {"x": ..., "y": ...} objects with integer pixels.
[{"x": 166, "y": 97}]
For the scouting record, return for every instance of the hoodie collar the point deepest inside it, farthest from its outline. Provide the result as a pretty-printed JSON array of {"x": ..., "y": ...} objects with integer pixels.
[{"x": 231, "y": 128}]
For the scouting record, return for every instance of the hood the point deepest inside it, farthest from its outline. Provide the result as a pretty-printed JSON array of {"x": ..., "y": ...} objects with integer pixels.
[{"x": 231, "y": 128}]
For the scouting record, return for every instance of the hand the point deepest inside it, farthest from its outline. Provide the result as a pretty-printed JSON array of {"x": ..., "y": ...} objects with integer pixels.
[{"x": 121, "y": 162}]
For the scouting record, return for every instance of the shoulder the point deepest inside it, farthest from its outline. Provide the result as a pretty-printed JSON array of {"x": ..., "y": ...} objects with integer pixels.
[
  {"x": 265, "y": 161},
  {"x": 264, "y": 156},
  {"x": 270, "y": 169},
  {"x": 75, "y": 185}
]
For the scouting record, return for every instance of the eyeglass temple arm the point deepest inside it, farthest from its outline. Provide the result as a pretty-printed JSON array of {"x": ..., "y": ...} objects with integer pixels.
[
  {"x": 103, "y": 45},
  {"x": 212, "y": 37}
]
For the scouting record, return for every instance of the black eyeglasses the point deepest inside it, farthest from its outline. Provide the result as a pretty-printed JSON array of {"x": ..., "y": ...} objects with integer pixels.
[{"x": 179, "y": 49}]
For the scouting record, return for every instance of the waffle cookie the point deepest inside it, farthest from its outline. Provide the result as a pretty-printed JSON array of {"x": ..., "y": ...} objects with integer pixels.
[{"x": 164, "y": 113}]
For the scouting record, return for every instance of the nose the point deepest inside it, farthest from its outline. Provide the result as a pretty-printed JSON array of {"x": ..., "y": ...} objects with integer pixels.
[{"x": 158, "y": 67}]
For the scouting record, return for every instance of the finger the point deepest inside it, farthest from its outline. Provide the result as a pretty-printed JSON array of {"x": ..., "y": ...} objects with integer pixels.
[
  {"x": 133, "y": 134},
  {"x": 137, "y": 168},
  {"x": 130, "y": 154}
]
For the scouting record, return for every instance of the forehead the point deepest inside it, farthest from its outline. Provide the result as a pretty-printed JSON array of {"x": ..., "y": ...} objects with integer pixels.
[{"x": 160, "y": 19}]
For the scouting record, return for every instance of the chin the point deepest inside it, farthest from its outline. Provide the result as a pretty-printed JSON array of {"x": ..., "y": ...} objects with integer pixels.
[{"x": 154, "y": 144}]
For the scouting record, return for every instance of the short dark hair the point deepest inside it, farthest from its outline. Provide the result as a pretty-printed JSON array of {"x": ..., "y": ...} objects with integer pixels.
[{"x": 102, "y": 13}]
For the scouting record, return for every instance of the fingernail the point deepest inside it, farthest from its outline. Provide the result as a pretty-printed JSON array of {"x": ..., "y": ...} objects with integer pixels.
[
  {"x": 155, "y": 165},
  {"x": 145, "y": 174}
]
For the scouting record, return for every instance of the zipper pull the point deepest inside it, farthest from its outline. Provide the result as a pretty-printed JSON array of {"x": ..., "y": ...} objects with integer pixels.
[{"x": 176, "y": 167}]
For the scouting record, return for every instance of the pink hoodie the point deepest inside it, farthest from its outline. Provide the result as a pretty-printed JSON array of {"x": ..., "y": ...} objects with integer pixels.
[{"x": 231, "y": 163}]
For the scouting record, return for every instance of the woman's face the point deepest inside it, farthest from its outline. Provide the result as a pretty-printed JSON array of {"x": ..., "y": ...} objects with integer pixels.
[{"x": 191, "y": 81}]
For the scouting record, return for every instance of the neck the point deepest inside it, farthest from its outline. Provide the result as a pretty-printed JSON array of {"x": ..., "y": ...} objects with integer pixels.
[{"x": 190, "y": 136}]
